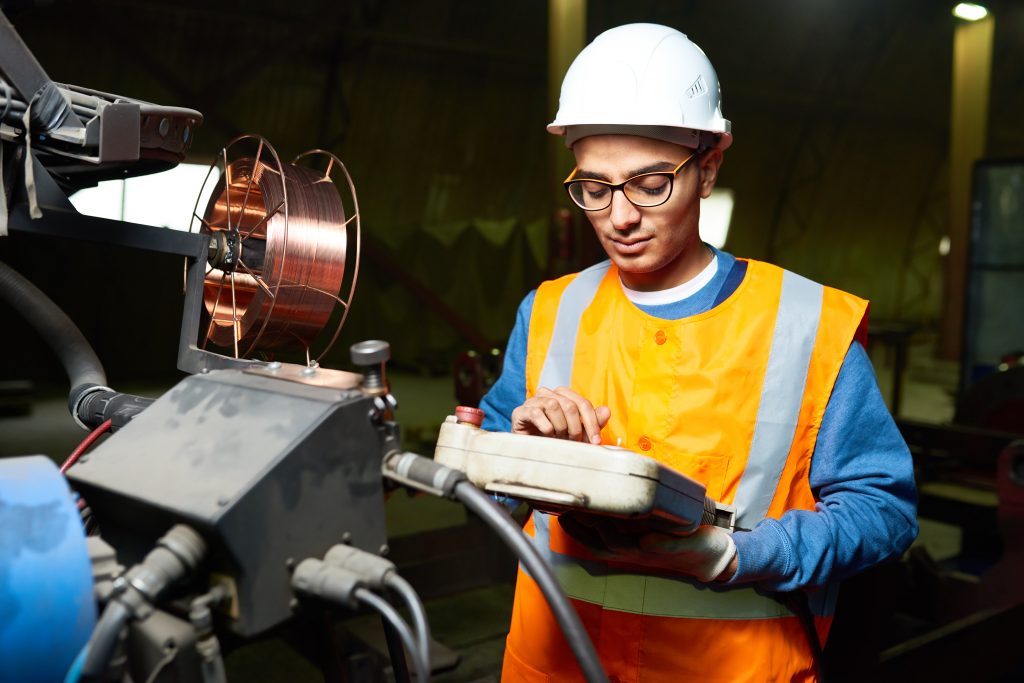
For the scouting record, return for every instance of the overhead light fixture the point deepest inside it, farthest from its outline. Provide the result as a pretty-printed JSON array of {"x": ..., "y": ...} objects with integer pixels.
[{"x": 968, "y": 11}]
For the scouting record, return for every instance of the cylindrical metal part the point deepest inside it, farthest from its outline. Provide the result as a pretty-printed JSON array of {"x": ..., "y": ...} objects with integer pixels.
[
  {"x": 319, "y": 579},
  {"x": 370, "y": 352},
  {"x": 371, "y": 356},
  {"x": 424, "y": 473},
  {"x": 177, "y": 554},
  {"x": 101, "y": 405},
  {"x": 373, "y": 569}
]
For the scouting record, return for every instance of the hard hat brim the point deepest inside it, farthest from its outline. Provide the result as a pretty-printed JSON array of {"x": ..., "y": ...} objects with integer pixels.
[{"x": 693, "y": 138}]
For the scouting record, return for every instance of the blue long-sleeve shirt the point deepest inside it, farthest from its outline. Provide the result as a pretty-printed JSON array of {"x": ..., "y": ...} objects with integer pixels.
[{"x": 861, "y": 470}]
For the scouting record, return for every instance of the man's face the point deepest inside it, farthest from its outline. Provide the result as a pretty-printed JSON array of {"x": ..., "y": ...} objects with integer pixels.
[{"x": 656, "y": 247}]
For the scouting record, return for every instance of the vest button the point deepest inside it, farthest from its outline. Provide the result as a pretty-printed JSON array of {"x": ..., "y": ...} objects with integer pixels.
[
  {"x": 645, "y": 443},
  {"x": 660, "y": 337}
]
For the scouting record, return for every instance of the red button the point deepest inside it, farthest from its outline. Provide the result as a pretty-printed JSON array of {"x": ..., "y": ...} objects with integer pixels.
[
  {"x": 467, "y": 414},
  {"x": 660, "y": 337},
  {"x": 645, "y": 443}
]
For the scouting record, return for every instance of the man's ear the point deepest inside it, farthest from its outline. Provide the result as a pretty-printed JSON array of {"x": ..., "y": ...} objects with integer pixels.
[{"x": 709, "y": 162}]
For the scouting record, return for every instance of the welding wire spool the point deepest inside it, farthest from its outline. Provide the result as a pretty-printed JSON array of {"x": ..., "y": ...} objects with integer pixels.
[
  {"x": 279, "y": 241},
  {"x": 335, "y": 167}
]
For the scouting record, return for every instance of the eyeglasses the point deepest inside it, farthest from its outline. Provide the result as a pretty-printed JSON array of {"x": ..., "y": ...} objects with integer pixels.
[{"x": 644, "y": 190}]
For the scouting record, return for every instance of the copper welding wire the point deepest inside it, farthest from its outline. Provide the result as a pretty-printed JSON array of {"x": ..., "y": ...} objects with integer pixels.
[
  {"x": 356, "y": 238},
  {"x": 316, "y": 267},
  {"x": 292, "y": 257}
]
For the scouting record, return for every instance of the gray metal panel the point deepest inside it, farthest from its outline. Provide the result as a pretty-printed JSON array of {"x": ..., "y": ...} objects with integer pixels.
[
  {"x": 266, "y": 470},
  {"x": 198, "y": 423}
]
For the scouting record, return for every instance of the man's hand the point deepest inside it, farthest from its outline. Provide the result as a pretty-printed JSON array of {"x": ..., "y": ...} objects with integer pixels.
[
  {"x": 562, "y": 414},
  {"x": 708, "y": 554}
]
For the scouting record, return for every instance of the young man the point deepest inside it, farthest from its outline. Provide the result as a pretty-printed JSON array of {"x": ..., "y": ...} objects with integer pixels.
[{"x": 749, "y": 378}]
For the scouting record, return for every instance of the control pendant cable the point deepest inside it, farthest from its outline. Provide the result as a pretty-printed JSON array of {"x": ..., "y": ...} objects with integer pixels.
[{"x": 424, "y": 474}]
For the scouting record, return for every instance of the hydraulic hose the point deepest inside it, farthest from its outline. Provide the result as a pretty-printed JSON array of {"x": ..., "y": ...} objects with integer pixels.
[
  {"x": 53, "y": 325},
  {"x": 176, "y": 555},
  {"x": 421, "y": 666},
  {"x": 502, "y": 523},
  {"x": 416, "y": 609},
  {"x": 347, "y": 576},
  {"x": 104, "y": 640}
]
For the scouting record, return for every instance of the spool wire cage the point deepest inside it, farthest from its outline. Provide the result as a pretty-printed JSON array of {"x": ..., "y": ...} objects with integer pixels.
[{"x": 280, "y": 273}]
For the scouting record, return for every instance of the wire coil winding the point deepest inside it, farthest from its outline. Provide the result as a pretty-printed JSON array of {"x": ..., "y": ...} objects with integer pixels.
[{"x": 279, "y": 249}]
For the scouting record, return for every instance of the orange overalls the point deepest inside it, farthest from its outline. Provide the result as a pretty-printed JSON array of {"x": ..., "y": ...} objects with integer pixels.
[{"x": 732, "y": 397}]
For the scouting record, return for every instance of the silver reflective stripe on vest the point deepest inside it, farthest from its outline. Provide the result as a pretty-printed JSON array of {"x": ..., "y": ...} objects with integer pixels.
[
  {"x": 796, "y": 327},
  {"x": 655, "y": 595},
  {"x": 557, "y": 369}
]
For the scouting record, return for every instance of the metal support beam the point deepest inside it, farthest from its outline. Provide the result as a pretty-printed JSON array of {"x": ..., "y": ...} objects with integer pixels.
[
  {"x": 60, "y": 219},
  {"x": 567, "y": 34},
  {"x": 972, "y": 67}
]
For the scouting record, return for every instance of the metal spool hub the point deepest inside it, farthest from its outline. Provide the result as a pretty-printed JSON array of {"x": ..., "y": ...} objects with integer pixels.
[{"x": 279, "y": 245}]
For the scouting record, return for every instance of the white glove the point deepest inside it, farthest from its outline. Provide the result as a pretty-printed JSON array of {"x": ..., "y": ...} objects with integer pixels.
[{"x": 704, "y": 554}]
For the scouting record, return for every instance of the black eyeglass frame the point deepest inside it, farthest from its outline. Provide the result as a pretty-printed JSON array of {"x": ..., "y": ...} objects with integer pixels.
[{"x": 671, "y": 175}]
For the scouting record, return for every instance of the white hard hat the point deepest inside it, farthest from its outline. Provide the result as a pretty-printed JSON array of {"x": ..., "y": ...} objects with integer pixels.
[{"x": 643, "y": 79}]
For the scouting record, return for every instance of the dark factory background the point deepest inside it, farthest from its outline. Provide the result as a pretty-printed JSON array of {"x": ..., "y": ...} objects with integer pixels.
[{"x": 842, "y": 169}]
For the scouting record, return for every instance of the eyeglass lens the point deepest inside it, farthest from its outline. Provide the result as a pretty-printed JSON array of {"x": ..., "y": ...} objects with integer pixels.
[{"x": 646, "y": 190}]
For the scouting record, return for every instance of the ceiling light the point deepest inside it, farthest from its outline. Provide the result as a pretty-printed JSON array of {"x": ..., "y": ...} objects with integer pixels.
[{"x": 969, "y": 11}]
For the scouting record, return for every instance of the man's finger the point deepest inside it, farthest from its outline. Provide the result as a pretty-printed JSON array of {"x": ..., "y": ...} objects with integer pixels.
[
  {"x": 589, "y": 417},
  {"x": 553, "y": 410},
  {"x": 534, "y": 417},
  {"x": 562, "y": 412},
  {"x": 573, "y": 423},
  {"x": 529, "y": 419},
  {"x": 545, "y": 413}
]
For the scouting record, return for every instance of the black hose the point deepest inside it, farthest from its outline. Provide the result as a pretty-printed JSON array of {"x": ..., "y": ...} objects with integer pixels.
[
  {"x": 416, "y": 609},
  {"x": 396, "y": 652},
  {"x": 509, "y": 532},
  {"x": 54, "y": 326},
  {"x": 421, "y": 667}
]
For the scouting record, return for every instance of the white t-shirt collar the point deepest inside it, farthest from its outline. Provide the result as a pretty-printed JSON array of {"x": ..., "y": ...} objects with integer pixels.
[{"x": 674, "y": 294}]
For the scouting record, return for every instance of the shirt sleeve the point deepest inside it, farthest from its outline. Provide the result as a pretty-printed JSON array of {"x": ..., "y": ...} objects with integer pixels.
[
  {"x": 509, "y": 392},
  {"x": 861, "y": 474}
]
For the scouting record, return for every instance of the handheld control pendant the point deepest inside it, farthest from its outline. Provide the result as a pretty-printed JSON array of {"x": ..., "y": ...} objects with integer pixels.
[{"x": 559, "y": 476}]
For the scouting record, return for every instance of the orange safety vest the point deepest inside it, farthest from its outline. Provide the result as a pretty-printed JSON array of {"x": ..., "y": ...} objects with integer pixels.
[{"x": 732, "y": 397}]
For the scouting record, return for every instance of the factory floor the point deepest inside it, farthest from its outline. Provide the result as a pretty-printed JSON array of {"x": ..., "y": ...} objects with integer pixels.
[{"x": 472, "y": 624}]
